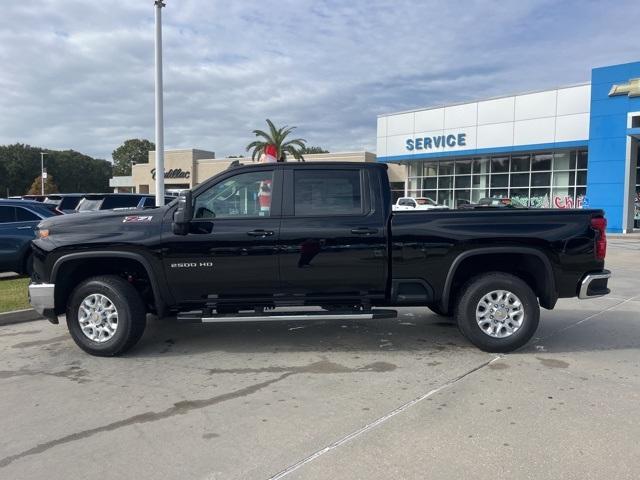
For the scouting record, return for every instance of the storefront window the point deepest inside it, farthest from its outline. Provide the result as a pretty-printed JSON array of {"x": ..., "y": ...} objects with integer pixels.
[
  {"x": 481, "y": 165},
  {"x": 550, "y": 179},
  {"x": 463, "y": 181},
  {"x": 520, "y": 196},
  {"x": 539, "y": 198},
  {"x": 462, "y": 197},
  {"x": 519, "y": 180},
  {"x": 561, "y": 161},
  {"x": 477, "y": 194},
  {"x": 499, "y": 164},
  {"x": 446, "y": 168},
  {"x": 480, "y": 181},
  {"x": 431, "y": 170},
  {"x": 521, "y": 163},
  {"x": 445, "y": 182},
  {"x": 540, "y": 179},
  {"x": 445, "y": 197},
  {"x": 541, "y": 161},
  {"x": 463, "y": 167},
  {"x": 563, "y": 179},
  {"x": 582, "y": 160},
  {"x": 499, "y": 193},
  {"x": 499, "y": 180},
  {"x": 430, "y": 182}
]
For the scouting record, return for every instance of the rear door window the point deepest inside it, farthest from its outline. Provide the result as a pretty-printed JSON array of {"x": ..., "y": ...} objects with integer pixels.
[
  {"x": 327, "y": 192},
  {"x": 24, "y": 215},
  {"x": 7, "y": 214}
]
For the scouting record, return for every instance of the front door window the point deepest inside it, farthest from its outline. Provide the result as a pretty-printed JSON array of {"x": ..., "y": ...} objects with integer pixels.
[{"x": 245, "y": 195}]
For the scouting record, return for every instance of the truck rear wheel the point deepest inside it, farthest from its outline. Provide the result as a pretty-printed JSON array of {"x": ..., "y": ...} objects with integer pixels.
[
  {"x": 106, "y": 316},
  {"x": 497, "y": 312}
]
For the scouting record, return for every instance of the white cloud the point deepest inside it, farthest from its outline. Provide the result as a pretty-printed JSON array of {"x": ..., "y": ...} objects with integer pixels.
[{"x": 78, "y": 74}]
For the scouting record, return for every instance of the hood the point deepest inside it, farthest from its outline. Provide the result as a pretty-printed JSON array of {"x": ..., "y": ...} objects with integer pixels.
[{"x": 104, "y": 226}]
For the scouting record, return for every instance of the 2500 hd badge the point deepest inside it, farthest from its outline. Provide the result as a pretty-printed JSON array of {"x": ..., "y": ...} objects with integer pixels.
[{"x": 191, "y": 265}]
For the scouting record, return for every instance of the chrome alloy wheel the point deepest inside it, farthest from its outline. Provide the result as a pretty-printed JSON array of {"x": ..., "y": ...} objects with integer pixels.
[
  {"x": 499, "y": 314},
  {"x": 98, "y": 317}
]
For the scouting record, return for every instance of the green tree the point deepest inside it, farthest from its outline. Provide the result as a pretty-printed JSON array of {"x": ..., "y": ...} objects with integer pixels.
[
  {"x": 278, "y": 138},
  {"x": 73, "y": 171},
  {"x": 312, "y": 150},
  {"x": 49, "y": 186},
  {"x": 132, "y": 151}
]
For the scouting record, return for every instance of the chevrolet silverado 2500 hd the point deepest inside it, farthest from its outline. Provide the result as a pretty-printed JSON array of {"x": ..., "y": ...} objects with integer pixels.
[{"x": 259, "y": 237}]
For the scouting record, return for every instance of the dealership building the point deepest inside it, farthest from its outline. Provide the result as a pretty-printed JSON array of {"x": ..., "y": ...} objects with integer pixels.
[{"x": 568, "y": 147}]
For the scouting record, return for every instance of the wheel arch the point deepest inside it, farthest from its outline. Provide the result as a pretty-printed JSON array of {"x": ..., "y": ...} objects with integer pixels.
[
  {"x": 70, "y": 269},
  {"x": 529, "y": 264}
]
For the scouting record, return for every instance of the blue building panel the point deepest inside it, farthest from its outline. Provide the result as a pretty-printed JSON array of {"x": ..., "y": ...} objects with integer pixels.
[
  {"x": 608, "y": 140},
  {"x": 606, "y": 149}
]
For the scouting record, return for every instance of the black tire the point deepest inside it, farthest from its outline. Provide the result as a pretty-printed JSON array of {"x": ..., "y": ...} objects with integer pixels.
[
  {"x": 471, "y": 294},
  {"x": 131, "y": 315},
  {"x": 437, "y": 309}
]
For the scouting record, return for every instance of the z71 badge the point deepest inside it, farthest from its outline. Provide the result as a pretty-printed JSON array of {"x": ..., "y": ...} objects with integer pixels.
[{"x": 137, "y": 219}]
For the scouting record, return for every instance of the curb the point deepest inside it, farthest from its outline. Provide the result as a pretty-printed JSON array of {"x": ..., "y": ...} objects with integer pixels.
[{"x": 19, "y": 316}]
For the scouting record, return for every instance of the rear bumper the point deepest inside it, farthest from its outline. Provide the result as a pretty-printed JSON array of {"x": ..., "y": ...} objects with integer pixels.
[
  {"x": 41, "y": 298},
  {"x": 594, "y": 284}
]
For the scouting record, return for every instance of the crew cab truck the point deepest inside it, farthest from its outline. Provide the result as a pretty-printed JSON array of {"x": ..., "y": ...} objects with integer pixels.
[{"x": 259, "y": 237}]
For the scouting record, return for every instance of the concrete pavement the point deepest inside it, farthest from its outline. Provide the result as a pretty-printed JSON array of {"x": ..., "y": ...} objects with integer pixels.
[{"x": 399, "y": 398}]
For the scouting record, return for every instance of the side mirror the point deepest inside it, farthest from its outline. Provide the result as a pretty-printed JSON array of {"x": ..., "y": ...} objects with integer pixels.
[{"x": 183, "y": 214}]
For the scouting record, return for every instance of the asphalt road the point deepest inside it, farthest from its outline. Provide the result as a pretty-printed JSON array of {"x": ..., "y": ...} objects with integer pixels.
[{"x": 401, "y": 398}]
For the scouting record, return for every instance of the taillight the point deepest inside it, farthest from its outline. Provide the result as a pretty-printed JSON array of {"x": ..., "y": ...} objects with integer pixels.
[{"x": 600, "y": 225}]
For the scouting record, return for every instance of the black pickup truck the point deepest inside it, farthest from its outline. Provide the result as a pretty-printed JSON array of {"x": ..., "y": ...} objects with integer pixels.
[{"x": 264, "y": 236}]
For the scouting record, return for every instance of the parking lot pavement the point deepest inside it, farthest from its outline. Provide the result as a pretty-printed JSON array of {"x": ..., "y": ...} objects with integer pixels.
[{"x": 400, "y": 398}]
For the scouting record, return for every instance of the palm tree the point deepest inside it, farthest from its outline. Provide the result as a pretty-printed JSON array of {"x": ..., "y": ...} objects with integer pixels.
[{"x": 277, "y": 138}]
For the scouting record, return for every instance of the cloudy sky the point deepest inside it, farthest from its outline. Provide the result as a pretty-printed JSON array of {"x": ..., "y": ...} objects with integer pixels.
[{"x": 79, "y": 73}]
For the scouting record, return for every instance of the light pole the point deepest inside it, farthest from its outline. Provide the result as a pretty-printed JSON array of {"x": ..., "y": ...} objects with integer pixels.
[
  {"x": 43, "y": 174},
  {"x": 159, "y": 120}
]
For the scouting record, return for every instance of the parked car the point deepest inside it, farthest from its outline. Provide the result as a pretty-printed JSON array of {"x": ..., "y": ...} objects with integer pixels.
[
  {"x": 18, "y": 219},
  {"x": 35, "y": 198},
  {"x": 417, "y": 203},
  {"x": 322, "y": 234},
  {"x": 491, "y": 202},
  {"x": 109, "y": 201},
  {"x": 64, "y": 202}
]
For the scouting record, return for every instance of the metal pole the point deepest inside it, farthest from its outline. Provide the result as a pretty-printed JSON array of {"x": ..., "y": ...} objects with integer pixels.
[
  {"x": 159, "y": 120},
  {"x": 42, "y": 154}
]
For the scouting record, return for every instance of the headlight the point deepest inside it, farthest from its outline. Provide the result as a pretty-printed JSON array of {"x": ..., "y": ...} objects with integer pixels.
[{"x": 42, "y": 232}]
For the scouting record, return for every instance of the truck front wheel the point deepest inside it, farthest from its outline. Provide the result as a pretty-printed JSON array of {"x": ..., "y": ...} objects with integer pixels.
[
  {"x": 106, "y": 316},
  {"x": 497, "y": 312}
]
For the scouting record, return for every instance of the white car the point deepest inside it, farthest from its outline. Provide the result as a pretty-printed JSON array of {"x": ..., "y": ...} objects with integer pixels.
[{"x": 417, "y": 203}]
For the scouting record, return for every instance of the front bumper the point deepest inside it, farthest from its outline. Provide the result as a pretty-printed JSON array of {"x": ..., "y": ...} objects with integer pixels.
[
  {"x": 594, "y": 285},
  {"x": 41, "y": 297}
]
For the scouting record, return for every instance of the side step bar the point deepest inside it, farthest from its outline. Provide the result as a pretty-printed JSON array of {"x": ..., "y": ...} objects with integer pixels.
[{"x": 196, "y": 317}]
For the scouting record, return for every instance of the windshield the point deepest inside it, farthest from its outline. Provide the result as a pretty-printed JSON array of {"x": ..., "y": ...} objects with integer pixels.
[{"x": 425, "y": 201}]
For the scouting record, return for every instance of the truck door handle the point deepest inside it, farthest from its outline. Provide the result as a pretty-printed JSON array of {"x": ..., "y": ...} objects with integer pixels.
[
  {"x": 260, "y": 233},
  {"x": 24, "y": 228},
  {"x": 364, "y": 231}
]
